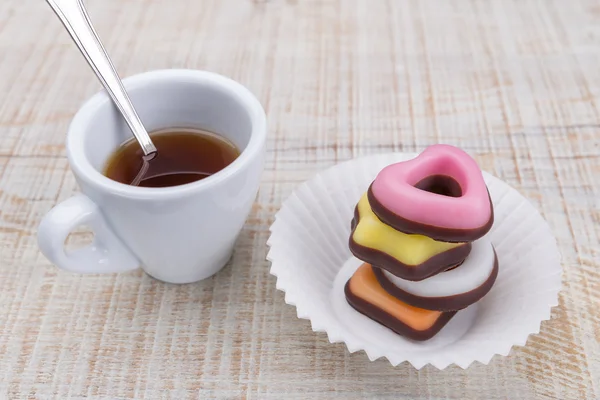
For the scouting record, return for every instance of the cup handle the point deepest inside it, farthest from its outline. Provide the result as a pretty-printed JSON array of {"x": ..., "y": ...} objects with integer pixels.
[{"x": 106, "y": 253}]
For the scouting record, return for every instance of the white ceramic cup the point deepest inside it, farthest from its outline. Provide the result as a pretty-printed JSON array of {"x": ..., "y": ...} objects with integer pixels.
[{"x": 177, "y": 234}]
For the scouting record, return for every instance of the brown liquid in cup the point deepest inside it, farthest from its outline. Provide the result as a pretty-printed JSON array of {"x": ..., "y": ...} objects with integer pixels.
[{"x": 184, "y": 156}]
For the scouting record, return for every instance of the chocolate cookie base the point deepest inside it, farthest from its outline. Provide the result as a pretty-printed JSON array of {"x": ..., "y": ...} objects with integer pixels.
[
  {"x": 443, "y": 303},
  {"x": 390, "y": 322},
  {"x": 434, "y": 232}
]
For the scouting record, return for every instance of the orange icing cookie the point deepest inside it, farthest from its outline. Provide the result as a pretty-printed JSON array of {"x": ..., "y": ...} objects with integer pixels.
[{"x": 366, "y": 295}]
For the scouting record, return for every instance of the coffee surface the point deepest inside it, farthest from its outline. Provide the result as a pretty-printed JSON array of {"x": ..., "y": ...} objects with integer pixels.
[{"x": 184, "y": 156}]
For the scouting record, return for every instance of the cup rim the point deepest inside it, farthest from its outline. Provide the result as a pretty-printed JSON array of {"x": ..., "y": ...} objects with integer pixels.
[{"x": 83, "y": 169}]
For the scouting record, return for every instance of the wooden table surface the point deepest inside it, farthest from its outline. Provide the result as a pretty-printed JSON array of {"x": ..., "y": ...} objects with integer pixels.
[{"x": 514, "y": 82}]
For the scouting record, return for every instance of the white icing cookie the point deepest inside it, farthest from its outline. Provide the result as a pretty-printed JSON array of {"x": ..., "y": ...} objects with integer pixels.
[{"x": 473, "y": 273}]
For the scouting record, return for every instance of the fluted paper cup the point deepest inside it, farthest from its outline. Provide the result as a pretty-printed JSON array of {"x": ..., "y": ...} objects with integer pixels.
[{"x": 310, "y": 257}]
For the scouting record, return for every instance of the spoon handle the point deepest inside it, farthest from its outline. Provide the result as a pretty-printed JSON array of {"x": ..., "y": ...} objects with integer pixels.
[{"x": 74, "y": 17}]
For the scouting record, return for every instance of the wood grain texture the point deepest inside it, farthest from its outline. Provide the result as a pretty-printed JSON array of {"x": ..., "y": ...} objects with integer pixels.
[{"x": 514, "y": 82}]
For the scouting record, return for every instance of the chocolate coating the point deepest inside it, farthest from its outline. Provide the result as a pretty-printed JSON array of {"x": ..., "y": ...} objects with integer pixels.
[
  {"x": 440, "y": 262},
  {"x": 434, "y": 232},
  {"x": 443, "y": 303},
  {"x": 440, "y": 184},
  {"x": 385, "y": 319}
]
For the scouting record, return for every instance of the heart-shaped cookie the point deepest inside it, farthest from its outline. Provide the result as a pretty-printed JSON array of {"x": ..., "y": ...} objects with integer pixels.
[{"x": 440, "y": 193}]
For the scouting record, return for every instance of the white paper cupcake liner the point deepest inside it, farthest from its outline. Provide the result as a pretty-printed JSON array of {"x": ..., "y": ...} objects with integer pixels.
[{"x": 311, "y": 260}]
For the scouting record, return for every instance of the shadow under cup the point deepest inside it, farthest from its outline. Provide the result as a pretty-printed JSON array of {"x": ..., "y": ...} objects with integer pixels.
[{"x": 179, "y": 234}]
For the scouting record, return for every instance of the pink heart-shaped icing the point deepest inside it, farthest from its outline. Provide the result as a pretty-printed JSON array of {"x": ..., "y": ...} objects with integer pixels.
[{"x": 400, "y": 204}]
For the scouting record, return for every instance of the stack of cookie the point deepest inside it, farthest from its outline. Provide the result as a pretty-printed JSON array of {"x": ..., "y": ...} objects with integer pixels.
[{"x": 419, "y": 231}]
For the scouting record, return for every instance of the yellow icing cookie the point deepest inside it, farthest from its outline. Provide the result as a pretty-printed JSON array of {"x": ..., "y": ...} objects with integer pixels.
[{"x": 408, "y": 249}]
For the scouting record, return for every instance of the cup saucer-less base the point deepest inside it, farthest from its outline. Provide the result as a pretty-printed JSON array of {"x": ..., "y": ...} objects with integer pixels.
[
  {"x": 378, "y": 335},
  {"x": 195, "y": 275},
  {"x": 309, "y": 254}
]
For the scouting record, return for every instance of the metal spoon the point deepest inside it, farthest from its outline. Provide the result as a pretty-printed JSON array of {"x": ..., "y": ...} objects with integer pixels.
[{"x": 74, "y": 17}]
